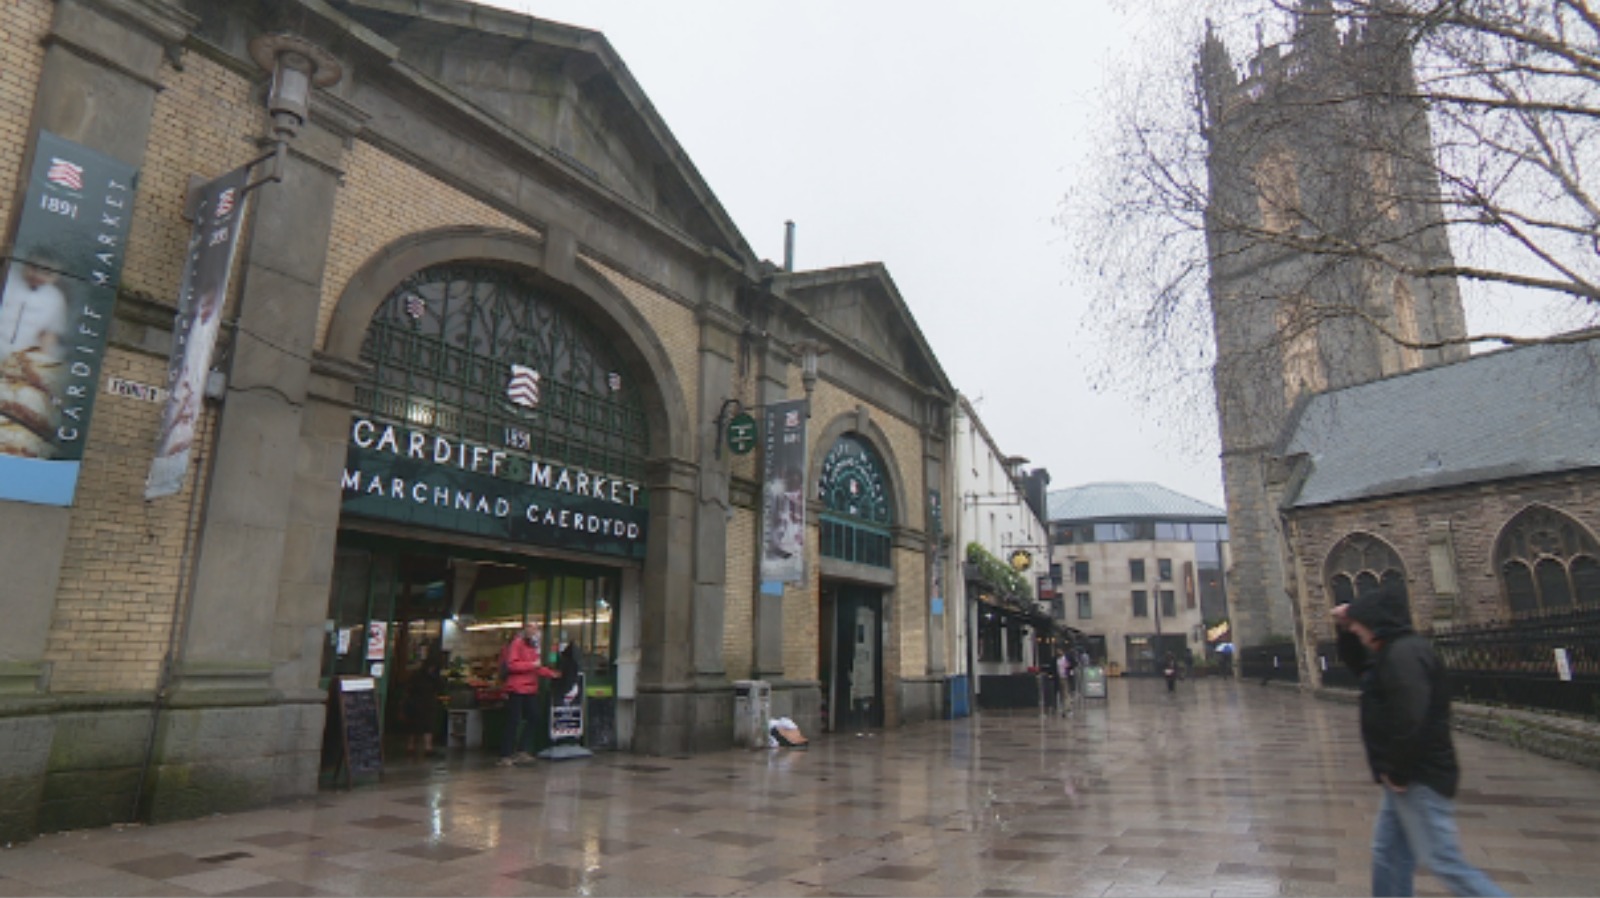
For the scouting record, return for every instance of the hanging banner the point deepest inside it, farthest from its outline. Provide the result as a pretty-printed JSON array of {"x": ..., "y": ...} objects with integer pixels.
[
  {"x": 61, "y": 285},
  {"x": 212, "y": 243},
  {"x": 783, "y": 498}
]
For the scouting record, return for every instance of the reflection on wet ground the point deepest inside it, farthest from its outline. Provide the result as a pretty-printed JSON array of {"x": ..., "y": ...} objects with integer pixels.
[{"x": 1220, "y": 789}]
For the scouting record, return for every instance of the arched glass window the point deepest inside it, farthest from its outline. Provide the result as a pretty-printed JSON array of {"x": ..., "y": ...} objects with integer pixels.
[
  {"x": 1546, "y": 561},
  {"x": 483, "y": 355},
  {"x": 1360, "y": 562},
  {"x": 856, "y": 512}
]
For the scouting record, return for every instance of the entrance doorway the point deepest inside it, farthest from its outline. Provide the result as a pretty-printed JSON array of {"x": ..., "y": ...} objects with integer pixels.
[
  {"x": 428, "y": 622},
  {"x": 851, "y": 659}
]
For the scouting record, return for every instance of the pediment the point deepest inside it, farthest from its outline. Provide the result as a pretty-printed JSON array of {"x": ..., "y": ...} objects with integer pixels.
[
  {"x": 861, "y": 305},
  {"x": 564, "y": 89}
]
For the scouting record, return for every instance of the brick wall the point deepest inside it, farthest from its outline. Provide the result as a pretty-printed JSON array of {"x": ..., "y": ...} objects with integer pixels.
[
  {"x": 675, "y": 326},
  {"x": 126, "y": 557},
  {"x": 738, "y": 626},
  {"x": 20, "y": 47},
  {"x": 1476, "y": 515},
  {"x": 382, "y": 200}
]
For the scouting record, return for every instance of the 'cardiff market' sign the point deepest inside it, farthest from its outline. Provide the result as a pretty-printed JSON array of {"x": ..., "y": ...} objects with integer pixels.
[
  {"x": 55, "y": 313},
  {"x": 427, "y": 479}
]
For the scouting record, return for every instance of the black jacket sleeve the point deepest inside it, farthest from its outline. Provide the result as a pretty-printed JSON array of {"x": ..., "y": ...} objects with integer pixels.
[{"x": 1354, "y": 655}]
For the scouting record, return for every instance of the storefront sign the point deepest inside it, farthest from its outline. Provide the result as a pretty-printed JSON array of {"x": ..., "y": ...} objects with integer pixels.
[
  {"x": 783, "y": 500},
  {"x": 55, "y": 314},
  {"x": 431, "y": 480},
  {"x": 566, "y": 713},
  {"x": 212, "y": 242}
]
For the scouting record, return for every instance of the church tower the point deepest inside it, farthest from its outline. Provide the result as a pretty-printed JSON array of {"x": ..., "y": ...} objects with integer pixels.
[{"x": 1323, "y": 208}]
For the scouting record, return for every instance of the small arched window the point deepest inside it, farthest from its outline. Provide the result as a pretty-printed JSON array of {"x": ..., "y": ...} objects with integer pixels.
[
  {"x": 1358, "y": 563},
  {"x": 1547, "y": 562}
]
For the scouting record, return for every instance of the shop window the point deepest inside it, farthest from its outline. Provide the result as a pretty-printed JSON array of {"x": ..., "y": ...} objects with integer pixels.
[
  {"x": 1547, "y": 562},
  {"x": 989, "y": 637},
  {"x": 1016, "y": 634},
  {"x": 1141, "y": 603},
  {"x": 855, "y": 498},
  {"x": 1358, "y": 563}
]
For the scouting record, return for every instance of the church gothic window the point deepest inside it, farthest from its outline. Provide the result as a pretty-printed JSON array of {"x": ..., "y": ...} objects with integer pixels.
[
  {"x": 480, "y": 354},
  {"x": 1547, "y": 562},
  {"x": 856, "y": 515},
  {"x": 1360, "y": 562}
]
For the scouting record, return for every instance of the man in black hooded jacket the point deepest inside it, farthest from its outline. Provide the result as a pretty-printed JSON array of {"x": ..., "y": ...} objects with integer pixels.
[{"x": 1405, "y": 725}]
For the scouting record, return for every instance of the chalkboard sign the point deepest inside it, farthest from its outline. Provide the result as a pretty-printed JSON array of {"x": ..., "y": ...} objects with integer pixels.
[{"x": 354, "y": 701}]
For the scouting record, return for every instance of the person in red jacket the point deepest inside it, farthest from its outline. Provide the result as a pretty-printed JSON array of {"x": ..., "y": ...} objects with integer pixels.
[{"x": 519, "y": 664}]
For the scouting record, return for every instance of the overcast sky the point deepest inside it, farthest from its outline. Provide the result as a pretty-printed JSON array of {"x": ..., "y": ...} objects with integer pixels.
[{"x": 935, "y": 138}]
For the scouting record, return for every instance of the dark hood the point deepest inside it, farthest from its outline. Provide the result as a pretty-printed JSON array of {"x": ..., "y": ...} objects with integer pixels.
[{"x": 1384, "y": 611}]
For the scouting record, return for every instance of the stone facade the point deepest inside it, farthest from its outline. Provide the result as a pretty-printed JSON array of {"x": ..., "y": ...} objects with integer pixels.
[
  {"x": 164, "y": 658},
  {"x": 1469, "y": 590},
  {"x": 1292, "y": 136}
]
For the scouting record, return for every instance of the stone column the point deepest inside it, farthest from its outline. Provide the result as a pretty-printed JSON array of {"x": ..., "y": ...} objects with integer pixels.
[
  {"x": 772, "y": 385},
  {"x": 719, "y": 349},
  {"x": 933, "y": 474},
  {"x": 260, "y": 588},
  {"x": 668, "y": 718},
  {"x": 97, "y": 87}
]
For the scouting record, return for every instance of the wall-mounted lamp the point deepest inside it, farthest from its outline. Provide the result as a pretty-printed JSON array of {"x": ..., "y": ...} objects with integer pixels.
[
  {"x": 297, "y": 65},
  {"x": 809, "y": 351}
]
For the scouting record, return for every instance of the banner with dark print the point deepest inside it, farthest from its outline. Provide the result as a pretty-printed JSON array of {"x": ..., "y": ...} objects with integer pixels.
[
  {"x": 61, "y": 284},
  {"x": 783, "y": 497},
  {"x": 204, "y": 292}
]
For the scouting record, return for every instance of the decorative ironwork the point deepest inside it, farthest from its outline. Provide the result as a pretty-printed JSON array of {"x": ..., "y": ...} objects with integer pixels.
[
  {"x": 1360, "y": 562},
  {"x": 1547, "y": 562},
  {"x": 444, "y": 347},
  {"x": 856, "y": 514}
]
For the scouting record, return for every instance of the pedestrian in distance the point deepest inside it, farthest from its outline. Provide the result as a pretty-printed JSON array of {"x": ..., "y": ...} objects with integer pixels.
[
  {"x": 1050, "y": 681},
  {"x": 1067, "y": 672},
  {"x": 1405, "y": 726},
  {"x": 1170, "y": 671}
]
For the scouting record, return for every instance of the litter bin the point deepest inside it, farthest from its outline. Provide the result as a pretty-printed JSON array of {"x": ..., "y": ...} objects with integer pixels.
[
  {"x": 1094, "y": 682},
  {"x": 752, "y": 708}
]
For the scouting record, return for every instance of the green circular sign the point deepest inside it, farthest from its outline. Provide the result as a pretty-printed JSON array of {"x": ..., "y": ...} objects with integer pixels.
[{"x": 742, "y": 433}]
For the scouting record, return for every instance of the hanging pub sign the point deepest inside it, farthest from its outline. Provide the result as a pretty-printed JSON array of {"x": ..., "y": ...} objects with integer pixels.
[
  {"x": 61, "y": 285},
  {"x": 212, "y": 242},
  {"x": 783, "y": 498},
  {"x": 432, "y": 480},
  {"x": 742, "y": 433}
]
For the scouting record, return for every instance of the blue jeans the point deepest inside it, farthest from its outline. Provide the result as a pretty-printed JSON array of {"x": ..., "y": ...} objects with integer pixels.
[{"x": 1416, "y": 825}]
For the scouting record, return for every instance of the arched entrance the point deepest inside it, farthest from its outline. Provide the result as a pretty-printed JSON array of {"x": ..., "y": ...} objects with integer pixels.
[
  {"x": 857, "y": 552},
  {"x": 496, "y": 475}
]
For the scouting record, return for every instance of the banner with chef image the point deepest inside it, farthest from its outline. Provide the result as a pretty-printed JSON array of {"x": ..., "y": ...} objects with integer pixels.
[
  {"x": 783, "y": 496},
  {"x": 60, "y": 286},
  {"x": 218, "y": 215}
]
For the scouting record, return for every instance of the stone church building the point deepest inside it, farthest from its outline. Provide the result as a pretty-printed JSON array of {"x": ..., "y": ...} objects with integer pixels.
[
  {"x": 476, "y": 356},
  {"x": 1349, "y": 457}
]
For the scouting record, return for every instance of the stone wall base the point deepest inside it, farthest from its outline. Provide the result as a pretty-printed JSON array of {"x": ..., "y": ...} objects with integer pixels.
[{"x": 1551, "y": 735}]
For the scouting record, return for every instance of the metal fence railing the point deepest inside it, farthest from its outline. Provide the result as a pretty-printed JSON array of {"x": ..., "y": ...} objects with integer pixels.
[{"x": 1516, "y": 663}]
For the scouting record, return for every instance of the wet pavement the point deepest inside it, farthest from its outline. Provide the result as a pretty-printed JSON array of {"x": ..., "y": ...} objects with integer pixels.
[{"x": 1219, "y": 789}]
